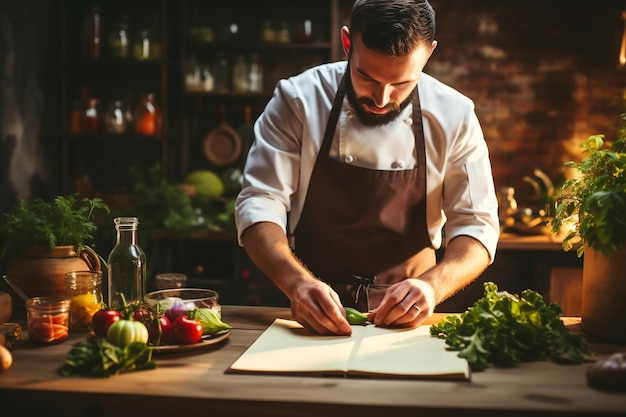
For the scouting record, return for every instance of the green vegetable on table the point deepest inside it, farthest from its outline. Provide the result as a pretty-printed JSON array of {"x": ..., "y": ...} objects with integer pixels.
[
  {"x": 354, "y": 316},
  {"x": 96, "y": 357},
  {"x": 505, "y": 330},
  {"x": 210, "y": 320},
  {"x": 125, "y": 332}
]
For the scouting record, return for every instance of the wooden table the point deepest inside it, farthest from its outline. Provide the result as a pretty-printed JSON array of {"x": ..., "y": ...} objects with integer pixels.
[{"x": 195, "y": 384}]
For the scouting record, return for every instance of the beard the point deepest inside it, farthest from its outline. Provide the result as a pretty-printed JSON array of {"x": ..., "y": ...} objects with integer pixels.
[{"x": 368, "y": 118}]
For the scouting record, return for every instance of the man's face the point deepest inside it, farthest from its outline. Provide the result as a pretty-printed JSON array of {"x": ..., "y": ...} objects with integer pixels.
[{"x": 380, "y": 86}]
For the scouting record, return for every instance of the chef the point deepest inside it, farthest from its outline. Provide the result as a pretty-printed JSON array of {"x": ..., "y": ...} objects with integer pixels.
[{"x": 360, "y": 170}]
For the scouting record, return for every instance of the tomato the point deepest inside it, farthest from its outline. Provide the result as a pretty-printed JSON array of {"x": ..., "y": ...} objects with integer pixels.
[
  {"x": 186, "y": 330},
  {"x": 102, "y": 319},
  {"x": 124, "y": 332},
  {"x": 144, "y": 315},
  {"x": 165, "y": 332}
]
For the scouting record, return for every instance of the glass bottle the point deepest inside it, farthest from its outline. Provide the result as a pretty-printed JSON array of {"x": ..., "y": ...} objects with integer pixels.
[
  {"x": 84, "y": 290},
  {"x": 118, "y": 39},
  {"x": 507, "y": 207},
  {"x": 126, "y": 265},
  {"x": 255, "y": 78},
  {"x": 91, "y": 117},
  {"x": 114, "y": 119},
  {"x": 141, "y": 49},
  {"x": 147, "y": 117},
  {"x": 240, "y": 75},
  {"x": 91, "y": 34},
  {"x": 221, "y": 75}
]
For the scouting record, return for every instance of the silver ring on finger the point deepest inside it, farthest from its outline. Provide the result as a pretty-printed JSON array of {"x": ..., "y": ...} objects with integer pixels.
[{"x": 419, "y": 310}]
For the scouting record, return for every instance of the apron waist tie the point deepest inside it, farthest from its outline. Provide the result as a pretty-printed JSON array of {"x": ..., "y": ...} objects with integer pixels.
[{"x": 363, "y": 284}]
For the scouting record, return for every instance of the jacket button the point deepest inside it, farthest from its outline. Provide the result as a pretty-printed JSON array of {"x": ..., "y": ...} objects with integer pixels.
[{"x": 349, "y": 158}]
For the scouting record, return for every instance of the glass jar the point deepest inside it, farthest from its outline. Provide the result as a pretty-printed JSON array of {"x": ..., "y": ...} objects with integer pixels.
[
  {"x": 48, "y": 319},
  {"x": 114, "y": 119},
  {"x": 126, "y": 265},
  {"x": 84, "y": 290},
  {"x": 283, "y": 34},
  {"x": 268, "y": 33},
  {"x": 147, "y": 117}
]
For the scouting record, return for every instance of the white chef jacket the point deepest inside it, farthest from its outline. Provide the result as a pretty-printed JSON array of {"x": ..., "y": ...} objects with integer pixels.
[{"x": 289, "y": 133}]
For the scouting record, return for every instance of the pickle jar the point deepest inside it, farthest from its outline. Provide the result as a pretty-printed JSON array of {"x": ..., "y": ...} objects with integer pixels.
[
  {"x": 84, "y": 292},
  {"x": 48, "y": 319}
]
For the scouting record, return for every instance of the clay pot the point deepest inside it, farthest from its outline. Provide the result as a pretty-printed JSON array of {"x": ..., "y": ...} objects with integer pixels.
[
  {"x": 41, "y": 272},
  {"x": 604, "y": 295}
]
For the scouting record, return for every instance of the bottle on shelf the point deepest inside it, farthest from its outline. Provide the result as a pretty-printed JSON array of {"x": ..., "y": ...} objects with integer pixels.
[
  {"x": 92, "y": 33},
  {"x": 255, "y": 77},
  {"x": 240, "y": 75},
  {"x": 114, "y": 119},
  {"x": 221, "y": 74},
  {"x": 268, "y": 33},
  {"x": 146, "y": 46},
  {"x": 91, "y": 117},
  {"x": 147, "y": 117},
  {"x": 126, "y": 265},
  {"x": 283, "y": 35},
  {"x": 118, "y": 39}
]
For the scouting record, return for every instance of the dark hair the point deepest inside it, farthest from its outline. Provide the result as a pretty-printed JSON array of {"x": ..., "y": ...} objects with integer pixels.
[{"x": 394, "y": 27}]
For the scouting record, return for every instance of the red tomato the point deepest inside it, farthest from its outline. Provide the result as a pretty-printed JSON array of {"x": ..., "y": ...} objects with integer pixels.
[
  {"x": 186, "y": 330},
  {"x": 142, "y": 314},
  {"x": 101, "y": 321},
  {"x": 166, "y": 331}
]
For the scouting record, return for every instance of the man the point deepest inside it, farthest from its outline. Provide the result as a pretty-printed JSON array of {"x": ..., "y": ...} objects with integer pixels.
[{"x": 355, "y": 169}]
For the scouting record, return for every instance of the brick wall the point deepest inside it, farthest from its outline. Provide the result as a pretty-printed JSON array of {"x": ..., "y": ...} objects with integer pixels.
[{"x": 544, "y": 76}]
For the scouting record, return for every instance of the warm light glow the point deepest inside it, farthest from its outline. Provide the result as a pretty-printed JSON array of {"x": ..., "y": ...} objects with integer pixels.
[{"x": 622, "y": 50}]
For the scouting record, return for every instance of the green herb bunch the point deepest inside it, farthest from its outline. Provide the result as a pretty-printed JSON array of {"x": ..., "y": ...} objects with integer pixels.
[
  {"x": 98, "y": 358},
  {"x": 505, "y": 330},
  {"x": 62, "y": 221},
  {"x": 592, "y": 205}
]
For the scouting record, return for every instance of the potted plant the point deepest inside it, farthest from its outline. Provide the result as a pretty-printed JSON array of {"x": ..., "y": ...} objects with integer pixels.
[
  {"x": 42, "y": 240},
  {"x": 591, "y": 208}
]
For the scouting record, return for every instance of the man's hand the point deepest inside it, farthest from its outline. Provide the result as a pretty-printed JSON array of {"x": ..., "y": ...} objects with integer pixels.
[
  {"x": 406, "y": 303},
  {"x": 316, "y": 306}
]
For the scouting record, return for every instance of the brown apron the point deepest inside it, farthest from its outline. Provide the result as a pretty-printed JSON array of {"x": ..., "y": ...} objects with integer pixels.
[{"x": 362, "y": 229}]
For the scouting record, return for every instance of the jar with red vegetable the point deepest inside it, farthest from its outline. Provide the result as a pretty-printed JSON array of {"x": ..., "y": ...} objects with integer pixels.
[{"x": 48, "y": 319}]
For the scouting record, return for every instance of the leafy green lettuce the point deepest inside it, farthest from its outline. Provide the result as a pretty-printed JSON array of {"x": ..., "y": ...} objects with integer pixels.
[{"x": 505, "y": 329}]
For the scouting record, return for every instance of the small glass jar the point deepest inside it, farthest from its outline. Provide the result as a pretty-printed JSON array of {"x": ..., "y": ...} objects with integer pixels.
[
  {"x": 48, "y": 319},
  {"x": 84, "y": 290}
]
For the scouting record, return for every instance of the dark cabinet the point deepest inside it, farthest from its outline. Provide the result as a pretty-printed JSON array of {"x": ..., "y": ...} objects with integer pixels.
[
  {"x": 232, "y": 57},
  {"x": 118, "y": 98}
]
